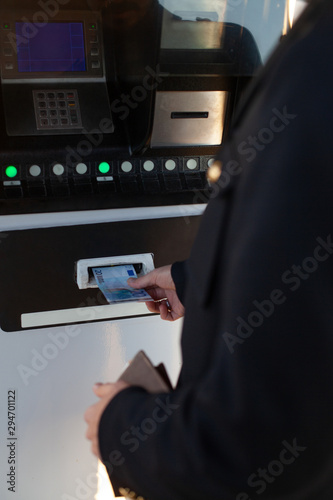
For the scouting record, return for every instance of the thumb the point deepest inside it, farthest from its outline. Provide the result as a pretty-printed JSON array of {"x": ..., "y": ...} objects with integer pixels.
[
  {"x": 145, "y": 281},
  {"x": 101, "y": 390}
]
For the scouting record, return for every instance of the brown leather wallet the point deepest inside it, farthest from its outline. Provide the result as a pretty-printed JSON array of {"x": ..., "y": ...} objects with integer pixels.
[{"x": 142, "y": 373}]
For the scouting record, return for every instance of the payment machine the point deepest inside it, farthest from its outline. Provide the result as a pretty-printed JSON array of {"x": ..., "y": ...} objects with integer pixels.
[{"x": 111, "y": 114}]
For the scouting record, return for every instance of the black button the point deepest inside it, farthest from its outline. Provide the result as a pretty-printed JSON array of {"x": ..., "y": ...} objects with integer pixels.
[
  {"x": 52, "y": 104},
  {"x": 44, "y": 122},
  {"x": 14, "y": 192},
  {"x": 8, "y": 51},
  {"x": 54, "y": 121},
  {"x": 51, "y": 95},
  {"x": 83, "y": 188},
  {"x": 41, "y": 95},
  {"x": 94, "y": 39},
  {"x": 151, "y": 186},
  {"x": 94, "y": 51},
  {"x": 63, "y": 112},
  {"x": 72, "y": 104},
  {"x": 37, "y": 191},
  {"x": 70, "y": 95},
  {"x": 62, "y": 104},
  {"x": 43, "y": 113},
  {"x": 129, "y": 187},
  {"x": 172, "y": 183},
  {"x": 60, "y": 189},
  {"x": 74, "y": 120},
  {"x": 60, "y": 95},
  {"x": 95, "y": 64},
  {"x": 53, "y": 112},
  {"x": 73, "y": 113},
  {"x": 42, "y": 104},
  {"x": 194, "y": 181}
]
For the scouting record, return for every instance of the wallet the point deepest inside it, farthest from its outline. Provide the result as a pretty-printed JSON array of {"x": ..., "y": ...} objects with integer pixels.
[{"x": 142, "y": 373}]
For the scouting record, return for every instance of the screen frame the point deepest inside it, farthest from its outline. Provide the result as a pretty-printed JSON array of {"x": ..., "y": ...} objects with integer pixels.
[{"x": 9, "y": 64}]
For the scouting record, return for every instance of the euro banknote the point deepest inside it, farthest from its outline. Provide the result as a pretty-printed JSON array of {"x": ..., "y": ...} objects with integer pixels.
[{"x": 112, "y": 281}]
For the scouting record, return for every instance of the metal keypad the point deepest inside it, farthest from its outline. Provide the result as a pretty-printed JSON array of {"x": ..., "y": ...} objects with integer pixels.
[{"x": 57, "y": 109}]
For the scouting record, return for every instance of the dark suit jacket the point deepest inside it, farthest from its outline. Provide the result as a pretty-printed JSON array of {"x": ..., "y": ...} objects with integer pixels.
[{"x": 252, "y": 415}]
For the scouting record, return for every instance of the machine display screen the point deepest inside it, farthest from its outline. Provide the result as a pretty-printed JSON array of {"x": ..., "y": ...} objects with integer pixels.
[{"x": 56, "y": 47}]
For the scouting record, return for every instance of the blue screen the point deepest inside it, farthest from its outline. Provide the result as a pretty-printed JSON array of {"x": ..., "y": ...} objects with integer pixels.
[{"x": 56, "y": 47}]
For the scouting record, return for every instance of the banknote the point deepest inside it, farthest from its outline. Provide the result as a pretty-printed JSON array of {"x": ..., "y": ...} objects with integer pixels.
[{"x": 112, "y": 281}]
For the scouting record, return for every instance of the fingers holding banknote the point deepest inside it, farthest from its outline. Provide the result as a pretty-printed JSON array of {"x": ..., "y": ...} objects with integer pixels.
[{"x": 161, "y": 287}]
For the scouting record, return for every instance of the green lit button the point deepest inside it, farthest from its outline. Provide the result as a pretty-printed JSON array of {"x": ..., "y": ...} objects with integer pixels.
[
  {"x": 104, "y": 167},
  {"x": 11, "y": 171}
]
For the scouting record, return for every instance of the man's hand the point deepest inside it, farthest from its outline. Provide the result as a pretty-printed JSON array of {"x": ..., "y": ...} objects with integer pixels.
[
  {"x": 161, "y": 287},
  {"x": 106, "y": 392}
]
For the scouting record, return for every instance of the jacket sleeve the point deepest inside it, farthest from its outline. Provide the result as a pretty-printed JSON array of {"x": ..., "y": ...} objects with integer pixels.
[{"x": 178, "y": 273}]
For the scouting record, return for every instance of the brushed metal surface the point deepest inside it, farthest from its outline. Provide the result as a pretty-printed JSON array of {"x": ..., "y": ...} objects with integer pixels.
[{"x": 189, "y": 131}]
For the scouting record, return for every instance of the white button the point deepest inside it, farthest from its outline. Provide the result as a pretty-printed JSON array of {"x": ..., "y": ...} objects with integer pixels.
[
  {"x": 126, "y": 166},
  {"x": 35, "y": 170},
  {"x": 192, "y": 164},
  {"x": 81, "y": 168},
  {"x": 58, "y": 169},
  {"x": 210, "y": 162},
  {"x": 170, "y": 165},
  {"x": 149, "y": 165}
]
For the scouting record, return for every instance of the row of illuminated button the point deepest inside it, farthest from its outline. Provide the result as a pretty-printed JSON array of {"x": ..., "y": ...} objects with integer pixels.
[{"x": 104, "y": 167}]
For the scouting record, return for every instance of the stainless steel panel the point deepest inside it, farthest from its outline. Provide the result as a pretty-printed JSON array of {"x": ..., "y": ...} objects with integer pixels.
[
  {"x": 189, "y": 131},
  {"x": 52, "y": 372},
  {"x": 190, "y": 34}
]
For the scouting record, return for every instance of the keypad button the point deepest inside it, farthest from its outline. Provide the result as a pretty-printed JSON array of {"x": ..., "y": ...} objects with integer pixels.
[
  {"x": 54, "y": 122},
  {"x": 51, "y": 95},
  {"x": 45, "y": 122},
  {"x": 170, "y": 165},
  {"x": 53, "y": 112},
  {"x": 35, "y": 170},
  {"x": 81, "y": 168},
  {"x": 43, "y": 113},
  {"x": 126, "y": 166},
  {"x": 58, "y": 169},
  {"x": 149, "y": 166},
  {"x": 52, "y": 104},
  {"x": 41, "y": 95},
  {"x": 192, "y": 164},
  {"x": 64, "y": 121},
  {"x": 62, "y": 104},
  {"x": 63, "y": 112},
  {"x": 60, "y": 95},
  {"x": 95, "y": 64},
  {"x": 42, "y": 104},
  {"x": 8, "y": 51}
]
